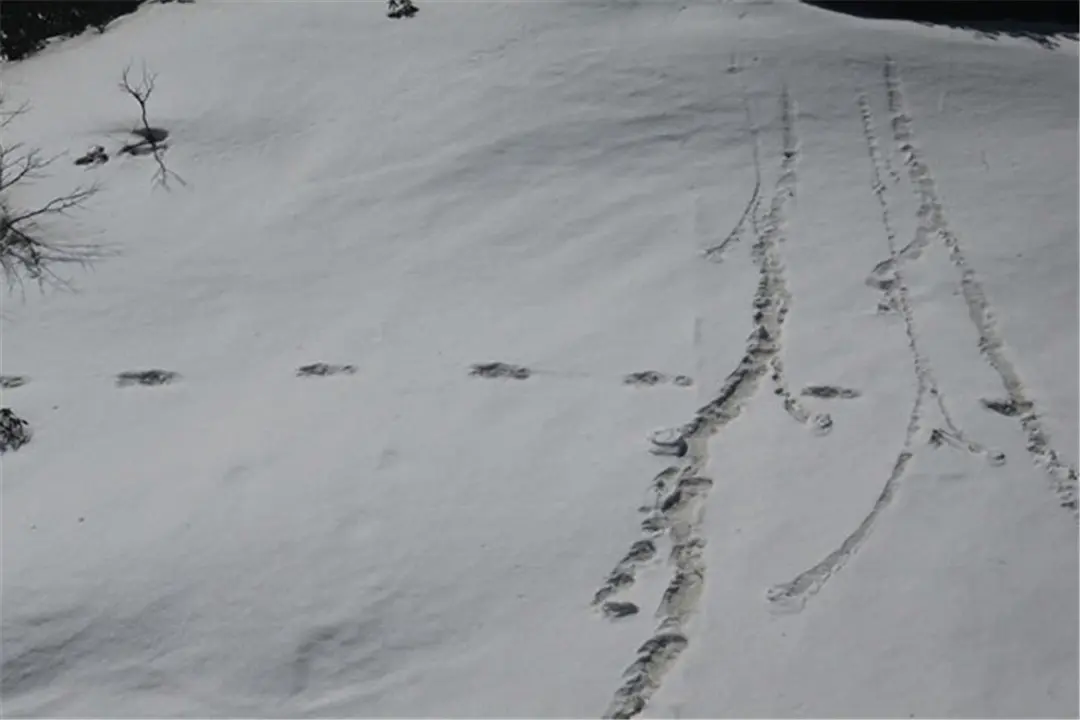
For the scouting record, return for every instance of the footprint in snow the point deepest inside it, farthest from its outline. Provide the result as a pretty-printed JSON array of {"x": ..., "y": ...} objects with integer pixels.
[
  {"x": 324, "y": 370},
  {"x": 649, "y": 378},
  {"x": 646, "y": 378},
  {"x": 146, "y": 377},
  {"x": 1007, "y": 407},
  {"x": 614, "y": 609},
  {"x": 830, "y": 392},
  {"x": 500, "y": 370}
]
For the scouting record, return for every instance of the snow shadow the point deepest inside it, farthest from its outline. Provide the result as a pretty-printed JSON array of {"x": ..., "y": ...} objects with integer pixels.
[{"x": 1046, "y": 22}]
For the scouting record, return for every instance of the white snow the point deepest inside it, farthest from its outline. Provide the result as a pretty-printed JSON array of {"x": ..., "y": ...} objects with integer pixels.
[{"x": 537, "y": 183}]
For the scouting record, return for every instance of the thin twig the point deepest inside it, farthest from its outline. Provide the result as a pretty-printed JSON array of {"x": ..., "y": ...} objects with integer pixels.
[{"x": 150, "y": 136}]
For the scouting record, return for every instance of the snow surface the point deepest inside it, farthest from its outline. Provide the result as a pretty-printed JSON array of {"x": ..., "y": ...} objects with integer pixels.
[{"x": 540, "y": 184}]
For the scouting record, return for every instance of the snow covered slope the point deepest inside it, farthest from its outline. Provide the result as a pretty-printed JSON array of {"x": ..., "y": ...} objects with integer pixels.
[{"x": 556, "y": 186}]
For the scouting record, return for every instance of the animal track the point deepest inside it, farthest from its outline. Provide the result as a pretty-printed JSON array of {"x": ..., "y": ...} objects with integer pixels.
[
  {"x": 644, "y": 378},
  {"x": 820, "y": 423},
  {"x": 681, "y": 489},
  {"x": 324, "y": 370},
  {"x": 990, "y": 343},
  {"x": 146, "y": 377},
  {"x": 500, "y": 370},
  {"x": 793, "y": 595},
  {"x": 651, "y": 377},
  {"x": 10, "y": 382},
  {"x": 716, "y": 252},
  {"x": 669, "y": 442},
  {"x": 643, "y": 676},
  {"x": 622, "y": 576},
  {"x": 615, "y": 610},
  {"x": 941, "y": 436},
  {"x": 830, "y": 392},
  {"x": 1008, "y": 408}
]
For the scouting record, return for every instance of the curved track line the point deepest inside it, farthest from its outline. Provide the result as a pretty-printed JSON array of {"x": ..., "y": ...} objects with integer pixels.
[
  {"x": 716, "y": 252},
  {"x": 680, "y": 489},
  {"x": 991, "y": 343},
  {"x": 793, "y": 595}
]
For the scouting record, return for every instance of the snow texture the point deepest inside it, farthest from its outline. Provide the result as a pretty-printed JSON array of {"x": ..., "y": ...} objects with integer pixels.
[{"x": 357, "y": 421}]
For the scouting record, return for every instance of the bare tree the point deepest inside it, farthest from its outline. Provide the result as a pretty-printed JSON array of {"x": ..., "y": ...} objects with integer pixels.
[
  {"x": 27, "y": 249},
  {"x": 152, "y": 139}
]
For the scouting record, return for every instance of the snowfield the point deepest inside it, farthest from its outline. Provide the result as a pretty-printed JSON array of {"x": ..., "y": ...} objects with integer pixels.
[{"x": 841, "y": 253}]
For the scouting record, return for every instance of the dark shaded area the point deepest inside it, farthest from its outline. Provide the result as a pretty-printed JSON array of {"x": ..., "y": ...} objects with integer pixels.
[
  {"x": 1043, "y": 21},
  {"x": 25, "y": 25},
  {"x": 14, "y": 431},
  {"x": 397, "y": 9},
  {"x": 1006, "y": 407},
  {"x": 613, "y": 610}
]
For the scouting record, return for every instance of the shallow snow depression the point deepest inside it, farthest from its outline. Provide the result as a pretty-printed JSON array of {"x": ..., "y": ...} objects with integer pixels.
[{"x": 358, "y": 421}]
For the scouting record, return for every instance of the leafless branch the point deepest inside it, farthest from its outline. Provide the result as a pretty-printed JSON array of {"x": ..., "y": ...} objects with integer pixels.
[
  {"x": 26, "y": 251},
  {"x": 141, "y": 92},
  {"x": 26, "y": 248},
  {"x": 151, "y": 137},
  {"x": 56, "y": 206},
  {"x": 6, "y": 116},
  {"x": 16, "y": 166}
]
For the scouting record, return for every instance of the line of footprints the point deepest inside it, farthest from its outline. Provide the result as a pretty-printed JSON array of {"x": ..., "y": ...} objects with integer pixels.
[
  {"x": 496, "y": 371},
  {"x": 491, "y": 371}
]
